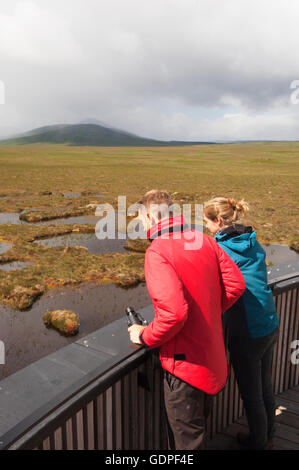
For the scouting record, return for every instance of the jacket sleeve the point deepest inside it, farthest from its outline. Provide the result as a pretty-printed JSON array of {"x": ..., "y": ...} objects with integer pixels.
[
  {"x": 166, "y": 291},
  {"x": 233, "y": 284}
]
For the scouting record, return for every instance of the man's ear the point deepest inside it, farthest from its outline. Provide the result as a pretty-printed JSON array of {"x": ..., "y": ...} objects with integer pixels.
[{"x": 220, "y": 221}]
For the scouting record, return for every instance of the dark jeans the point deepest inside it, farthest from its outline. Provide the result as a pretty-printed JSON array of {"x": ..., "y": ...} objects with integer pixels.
[
  {"x": 187, "y": 409},
  {"x": 252, "y": 362}
]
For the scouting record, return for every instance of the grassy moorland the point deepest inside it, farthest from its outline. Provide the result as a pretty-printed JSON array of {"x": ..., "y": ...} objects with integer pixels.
[{"x": 35, "y": 176}]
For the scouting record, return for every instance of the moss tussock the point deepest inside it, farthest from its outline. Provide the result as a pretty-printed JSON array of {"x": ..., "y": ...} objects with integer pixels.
[
  {"x": 294, "y": 243},
  {"x": 137, "y": 245},
  {"x": 40, "y": 216},
  {"x": 65, "y": 321}
]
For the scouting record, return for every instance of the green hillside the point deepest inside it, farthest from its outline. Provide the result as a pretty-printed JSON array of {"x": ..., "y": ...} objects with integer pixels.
[{"x": 87, "y": 134}]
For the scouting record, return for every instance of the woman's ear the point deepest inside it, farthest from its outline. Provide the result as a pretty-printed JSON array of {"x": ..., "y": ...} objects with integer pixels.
[{"x": 220, "y": 221}]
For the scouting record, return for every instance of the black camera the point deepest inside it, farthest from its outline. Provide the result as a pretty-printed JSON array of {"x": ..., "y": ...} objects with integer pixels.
[{"x": 134, "y": 318}]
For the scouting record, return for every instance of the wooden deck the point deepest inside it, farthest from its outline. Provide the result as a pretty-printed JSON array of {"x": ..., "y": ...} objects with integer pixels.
[{"x": 287, "y": 433}]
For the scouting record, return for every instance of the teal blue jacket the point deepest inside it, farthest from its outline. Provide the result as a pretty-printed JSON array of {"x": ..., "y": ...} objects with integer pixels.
[{"x": 240, "y": 243}]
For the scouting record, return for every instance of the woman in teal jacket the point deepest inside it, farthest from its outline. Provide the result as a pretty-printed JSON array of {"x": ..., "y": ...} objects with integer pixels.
[{"x": 252, "y": 322}]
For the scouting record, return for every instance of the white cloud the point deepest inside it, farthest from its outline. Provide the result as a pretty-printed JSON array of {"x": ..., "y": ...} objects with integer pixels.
[{"x": 35, "y": 34}]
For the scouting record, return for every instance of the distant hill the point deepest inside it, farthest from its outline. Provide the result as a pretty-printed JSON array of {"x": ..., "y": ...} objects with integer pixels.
[{"x": 88, "y": 134}]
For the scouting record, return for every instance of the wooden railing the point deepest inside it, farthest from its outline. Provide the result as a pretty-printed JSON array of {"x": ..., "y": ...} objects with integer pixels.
[{"x": 104, "y": 393}]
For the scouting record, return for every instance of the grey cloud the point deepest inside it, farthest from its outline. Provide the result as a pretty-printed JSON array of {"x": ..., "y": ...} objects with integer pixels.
[{"x": 151, "y": 67}]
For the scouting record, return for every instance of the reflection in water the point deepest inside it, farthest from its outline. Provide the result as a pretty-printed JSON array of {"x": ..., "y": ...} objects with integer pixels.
[
  {"x": 71, "y": 194},
  {"x": 14, "y": 265},
  {"x": 4, "y": 247},
  {"x": 10, "y": 218},
  {"x": 83, "y": 219},
  {"x": 280, "y": 254},
  {"x": 76, "y": 194},
  {"x": 88, "y": 240},
  {"x": 27, "y": 339}
]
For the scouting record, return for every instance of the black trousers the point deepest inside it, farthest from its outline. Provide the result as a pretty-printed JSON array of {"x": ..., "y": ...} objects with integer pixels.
[
  {"x": 252, "y": 362},
  {"x": 187, "y": 409}
]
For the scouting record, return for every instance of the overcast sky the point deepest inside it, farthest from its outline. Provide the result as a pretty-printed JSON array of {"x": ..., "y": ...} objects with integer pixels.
[{"x": 170, "y": 69}]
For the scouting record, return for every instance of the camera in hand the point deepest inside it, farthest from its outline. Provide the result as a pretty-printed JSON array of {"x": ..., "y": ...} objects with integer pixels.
[{"x": 134, "y": 318}]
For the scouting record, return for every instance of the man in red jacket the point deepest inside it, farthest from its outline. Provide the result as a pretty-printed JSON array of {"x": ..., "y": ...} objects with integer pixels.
[{"x": 190, "y": 288}]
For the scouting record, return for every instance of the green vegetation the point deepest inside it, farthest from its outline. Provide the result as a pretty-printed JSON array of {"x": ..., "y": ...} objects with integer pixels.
[
  {"x": 35, "y": 177},
  {"x": 294, "y": 243},
  {"x": 65, "y": 321}
]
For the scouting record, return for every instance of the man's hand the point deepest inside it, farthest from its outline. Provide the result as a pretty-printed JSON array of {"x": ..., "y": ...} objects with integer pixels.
[{"x": 134, "y": 331}]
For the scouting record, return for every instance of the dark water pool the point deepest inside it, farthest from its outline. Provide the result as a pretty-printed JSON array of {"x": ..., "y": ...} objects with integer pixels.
[
  {"x": 88, "y": 240},
  {"x": 27, "y": 339}
]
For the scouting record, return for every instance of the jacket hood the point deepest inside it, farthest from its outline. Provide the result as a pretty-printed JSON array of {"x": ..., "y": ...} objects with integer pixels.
[{"x": 238, "y": 238}]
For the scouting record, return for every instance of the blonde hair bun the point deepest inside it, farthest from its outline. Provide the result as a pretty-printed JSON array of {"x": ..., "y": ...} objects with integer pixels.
[
  {"x": 227, "y": 208},
  {"x": 240, "y": 206}
]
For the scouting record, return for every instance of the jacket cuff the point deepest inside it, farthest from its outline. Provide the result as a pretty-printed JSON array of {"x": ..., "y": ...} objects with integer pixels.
[{"x": 142, "y": 340}]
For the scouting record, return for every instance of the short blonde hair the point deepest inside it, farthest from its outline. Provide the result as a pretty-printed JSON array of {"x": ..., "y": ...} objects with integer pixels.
[
  {"x": 155, "y": 198},
  {"x": 228, "y": 209}
]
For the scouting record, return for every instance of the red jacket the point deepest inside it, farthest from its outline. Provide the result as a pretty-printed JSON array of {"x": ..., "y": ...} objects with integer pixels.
[{"x": 190, "y": 289}]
